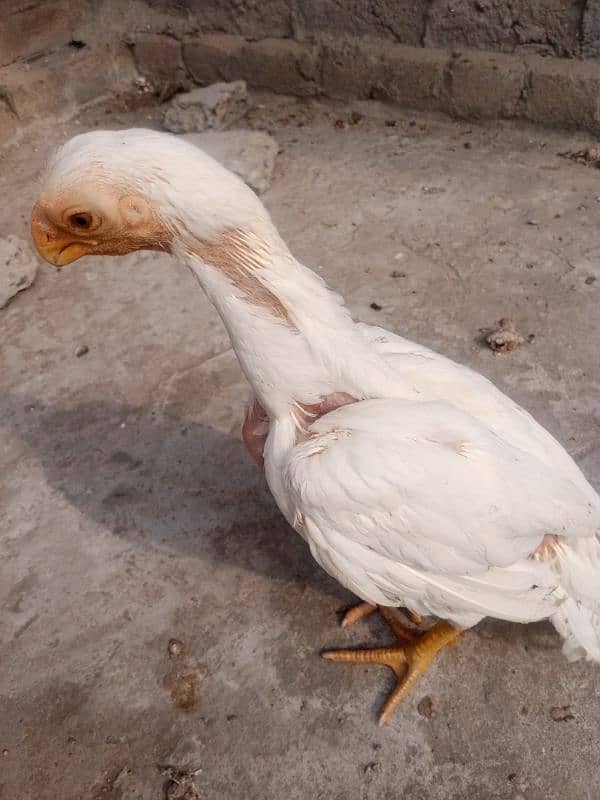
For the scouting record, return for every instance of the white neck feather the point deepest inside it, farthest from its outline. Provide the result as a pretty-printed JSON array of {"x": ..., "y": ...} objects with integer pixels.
[{"x": 295, "y": 339}]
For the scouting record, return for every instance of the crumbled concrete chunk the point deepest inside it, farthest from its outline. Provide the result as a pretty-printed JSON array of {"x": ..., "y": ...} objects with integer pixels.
[
  {"x": 18, "y": 267},
  {"x": 505, "y": 337},
  {"x": 250, "y": 154},
  {"x": 213, "y": 107},
  {"x": 589, "y": 156}
]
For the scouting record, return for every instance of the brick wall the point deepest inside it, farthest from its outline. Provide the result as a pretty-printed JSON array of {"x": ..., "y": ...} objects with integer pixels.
[
  {"x": 563, "y": 28},
  {"x": 471, "y": 58}
]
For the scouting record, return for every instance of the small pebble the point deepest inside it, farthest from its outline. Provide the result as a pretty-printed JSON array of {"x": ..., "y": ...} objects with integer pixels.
[
  {"x": 339, "y": 123},
  {"x": 82, "y": 350},
  {"x": 391, "y": 123},
  {"x": 372, "y": 766},
  {"x": 425, "y": 707},
  {"x": 396, "y": 274},
  {"x": 467, "y": 145},
  {"x": 176, "y": 648},
  {"x": 561, "y": 713},
  {"x": 591, "y": 279},
  {"x": 355, "y": 117},
  {"x": 533, "y": 222},
  {"x": 505, "y": 338},
  {"x": 376, "y": 307}
]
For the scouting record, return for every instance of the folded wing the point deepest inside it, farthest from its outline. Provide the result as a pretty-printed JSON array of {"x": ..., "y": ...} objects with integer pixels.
[{"x": 421, "y": 504}]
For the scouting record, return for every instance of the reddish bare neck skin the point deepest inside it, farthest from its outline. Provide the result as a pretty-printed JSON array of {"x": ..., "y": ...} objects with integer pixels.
[
  {"x": 256, "y": 424},
  {"x": 255, "y": 431}
]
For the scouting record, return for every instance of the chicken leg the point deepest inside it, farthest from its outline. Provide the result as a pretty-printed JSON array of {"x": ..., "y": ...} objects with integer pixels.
[
  {"x": 408, "y": 658},
  {"x": 361, "y": 610}
]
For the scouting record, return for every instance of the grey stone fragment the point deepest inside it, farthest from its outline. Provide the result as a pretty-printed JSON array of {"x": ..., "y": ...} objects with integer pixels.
[
  {"x": 217, "y": 106},
  {"x": 18, "y": 267},
  {"x": 250, "y": 154}
]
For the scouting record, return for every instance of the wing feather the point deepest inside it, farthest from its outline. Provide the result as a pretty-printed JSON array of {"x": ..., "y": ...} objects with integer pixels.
[
  {"x": 462, "y": 387},
  {"x": 401, "y": 498}
]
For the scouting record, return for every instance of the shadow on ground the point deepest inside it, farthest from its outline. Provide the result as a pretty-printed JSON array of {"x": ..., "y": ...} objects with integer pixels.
[
  {"x": 184, "y": 487},
  {"x": 164, "y": 483}
]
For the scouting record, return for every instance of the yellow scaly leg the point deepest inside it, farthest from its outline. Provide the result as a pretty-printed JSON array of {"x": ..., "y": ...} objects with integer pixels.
[
  {"x": 362, "y": 610},
  {"x": 408, "y": 659},
  {"x": 356, "y": 613}
]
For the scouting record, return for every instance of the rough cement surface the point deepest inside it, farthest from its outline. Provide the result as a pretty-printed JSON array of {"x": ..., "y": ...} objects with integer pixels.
[
  {"x": 18, "y": 267},
  {"x": 250, "y": 154},
  {"x": 131, "y": 515}
]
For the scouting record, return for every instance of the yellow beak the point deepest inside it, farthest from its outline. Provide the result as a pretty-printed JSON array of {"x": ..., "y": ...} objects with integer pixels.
[{"x": 51, "y": 244}]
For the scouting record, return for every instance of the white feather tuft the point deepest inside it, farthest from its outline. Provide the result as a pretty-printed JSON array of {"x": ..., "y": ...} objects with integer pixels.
[{"x": 578, "y": 620}]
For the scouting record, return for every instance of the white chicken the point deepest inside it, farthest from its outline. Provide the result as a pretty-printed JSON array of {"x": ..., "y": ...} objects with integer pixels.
[{"x": 414, "y": 481}]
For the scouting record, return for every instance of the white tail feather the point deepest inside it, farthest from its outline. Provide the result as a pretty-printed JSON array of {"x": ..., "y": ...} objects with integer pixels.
[{"x": 578, "y": 619}]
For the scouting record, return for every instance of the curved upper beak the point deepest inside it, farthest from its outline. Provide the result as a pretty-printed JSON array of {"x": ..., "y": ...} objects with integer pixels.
[{"x": 51, "y": 244}]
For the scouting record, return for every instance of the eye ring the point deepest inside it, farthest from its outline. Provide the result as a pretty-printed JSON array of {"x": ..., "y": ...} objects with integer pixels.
[{"x": 83, "y": 221}]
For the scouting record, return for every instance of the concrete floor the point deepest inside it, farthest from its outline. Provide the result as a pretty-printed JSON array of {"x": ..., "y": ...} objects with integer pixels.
[{"x": 131, "y": 514}]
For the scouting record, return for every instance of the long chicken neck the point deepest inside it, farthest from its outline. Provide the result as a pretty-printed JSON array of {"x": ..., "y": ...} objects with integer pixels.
[{"x": 294, "y": 338}]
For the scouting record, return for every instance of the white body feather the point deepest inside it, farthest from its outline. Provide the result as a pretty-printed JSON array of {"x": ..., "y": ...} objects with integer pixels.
[{"x": 434, "y": 490}]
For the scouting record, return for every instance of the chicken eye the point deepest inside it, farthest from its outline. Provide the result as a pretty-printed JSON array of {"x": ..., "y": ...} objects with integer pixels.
[{"x": 81, "y": 220}]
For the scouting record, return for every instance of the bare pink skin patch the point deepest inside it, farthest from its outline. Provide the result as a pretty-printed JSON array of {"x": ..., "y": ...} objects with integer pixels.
[
  {"x": 255, "y": 431},
  {"x": 328, "y": 403},
  {"x": 546, "y": 548},
  {"x": 256, "y": 424}
]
